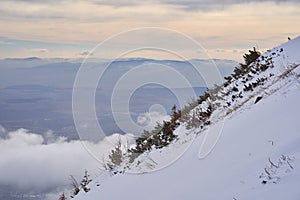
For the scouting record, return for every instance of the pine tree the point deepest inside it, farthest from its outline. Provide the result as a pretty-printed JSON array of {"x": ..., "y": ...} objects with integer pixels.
[
  {"x": 116, "y": 156},
  {"x": 252, "y": 56},
  {"x": 85, "y": 181}
]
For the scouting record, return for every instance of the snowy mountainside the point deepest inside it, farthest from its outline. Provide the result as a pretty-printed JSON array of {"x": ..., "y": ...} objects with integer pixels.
[{"x": 256, "y": 157}]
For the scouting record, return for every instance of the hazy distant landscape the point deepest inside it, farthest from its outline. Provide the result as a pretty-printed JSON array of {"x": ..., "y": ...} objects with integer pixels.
[{"x": 38, "y": 96}]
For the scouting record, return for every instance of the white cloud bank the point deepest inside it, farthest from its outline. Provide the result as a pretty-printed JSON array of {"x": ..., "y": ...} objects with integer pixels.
[{"x": 31, "y": 162}]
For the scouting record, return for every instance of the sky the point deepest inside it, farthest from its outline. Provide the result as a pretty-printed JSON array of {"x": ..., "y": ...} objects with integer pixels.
[{"x": 72, "y": 28}]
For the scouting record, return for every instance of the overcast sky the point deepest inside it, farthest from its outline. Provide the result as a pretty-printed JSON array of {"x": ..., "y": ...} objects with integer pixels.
[{"x": 70, "y": 28}]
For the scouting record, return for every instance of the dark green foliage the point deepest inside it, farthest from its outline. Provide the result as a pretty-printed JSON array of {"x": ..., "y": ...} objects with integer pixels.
[
  {"x": 237, "y": 72},
  {"x": 194, "y": 116},
  {"x": 248, "y": 87},
  {"x": 200, "y": 117},
  {"x": 203, "y": 97},
  {"x": 226, "y": 84},
  {"x": 165, "y": 136},
  {"x": 263, "y": 67},
  {"x": 235, "y": 89},
  {"x": 228, "y": 78},
  {"x": 251, "y": 86},
  {"x": 253, "y": 71},
  {"x": 187, "y": 108},
  {"x": 159, "y": 137},
  {"x": 243, "y": 69},
  {"x": 251, "y": 57},
  {"x": 233, "y": 97},
  {"x": 213, "y": 93},
  {"x": 205, "y": 115},
  {"x": 240, "y": 95}
]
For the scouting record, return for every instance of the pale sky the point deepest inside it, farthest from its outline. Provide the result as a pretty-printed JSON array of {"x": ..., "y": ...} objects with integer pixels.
[{"x": 71, "y": 28}]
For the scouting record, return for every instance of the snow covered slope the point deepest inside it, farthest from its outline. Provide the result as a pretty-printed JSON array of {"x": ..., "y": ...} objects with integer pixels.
[{"x": 256, "y": 157}]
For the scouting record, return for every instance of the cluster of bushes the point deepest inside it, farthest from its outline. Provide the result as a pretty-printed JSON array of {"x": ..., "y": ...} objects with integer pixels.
[
  {"x": 200, "y": 117},
  {"x": 159, "y": 137},
  {"x": 245, "y": 68},
  {"x": 215, "y": 98},
  {"x": 185, "y": 111},
  {"x": 163, "y": 134},
  {"x": 251, "y": 86},
  {"x": 197, "y": 113}
]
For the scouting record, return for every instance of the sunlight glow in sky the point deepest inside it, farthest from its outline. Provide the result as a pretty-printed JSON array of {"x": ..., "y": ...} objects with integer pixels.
[{"x": 69, "y": 29}]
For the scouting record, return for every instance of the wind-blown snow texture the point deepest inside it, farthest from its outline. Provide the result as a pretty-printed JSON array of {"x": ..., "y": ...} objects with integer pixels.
[{"x": 256, "y": 157}]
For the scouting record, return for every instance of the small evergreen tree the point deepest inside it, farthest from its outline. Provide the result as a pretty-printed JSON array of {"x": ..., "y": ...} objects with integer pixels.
[
  {"x": 116, "y": 156},
  {"x": 83, "y": 184},
  {"x": 252, "y": 56},
  {"x": 76, "y": 187},
  {"x": 85, "y": 181}
]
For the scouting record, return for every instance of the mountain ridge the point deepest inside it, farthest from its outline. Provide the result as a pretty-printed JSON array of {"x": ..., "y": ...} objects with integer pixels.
[{"x": 252, "y": 166}]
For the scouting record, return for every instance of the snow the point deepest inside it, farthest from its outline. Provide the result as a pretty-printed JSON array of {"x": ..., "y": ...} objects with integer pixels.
[{"x": 252, "y": 135}]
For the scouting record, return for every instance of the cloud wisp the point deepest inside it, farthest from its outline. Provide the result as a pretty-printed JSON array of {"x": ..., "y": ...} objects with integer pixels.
[{"x": 40, "y": 50}]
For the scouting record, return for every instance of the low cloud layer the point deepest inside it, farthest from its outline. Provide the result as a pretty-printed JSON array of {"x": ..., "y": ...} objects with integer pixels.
[{"x": 32, "y": 163}]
